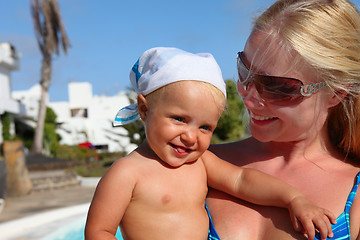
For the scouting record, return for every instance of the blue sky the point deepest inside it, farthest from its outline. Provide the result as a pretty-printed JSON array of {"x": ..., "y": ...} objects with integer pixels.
[{"x": 107, "y": 37}]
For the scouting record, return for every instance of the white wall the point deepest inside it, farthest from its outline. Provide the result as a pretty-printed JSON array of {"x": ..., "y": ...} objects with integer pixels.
[
  {"x": 30, "y": 98},
  {"x": 80, "y": 94},
  {"x": 97, "y": 126},
  {"x": 9, "y": 61}
]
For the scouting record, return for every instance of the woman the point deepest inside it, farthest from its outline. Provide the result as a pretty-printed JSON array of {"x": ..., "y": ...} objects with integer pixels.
[{"x": 299, "y": 78}]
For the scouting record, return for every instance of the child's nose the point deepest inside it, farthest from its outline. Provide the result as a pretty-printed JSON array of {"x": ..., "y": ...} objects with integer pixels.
[{"x": 189, "y": 136}]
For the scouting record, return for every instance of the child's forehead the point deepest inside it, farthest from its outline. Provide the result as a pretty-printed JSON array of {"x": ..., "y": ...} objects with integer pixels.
[
  {"x": 179, "y": 86},
  {"x": 188, "y": 89},
  {"x": 189, "y": 85}
]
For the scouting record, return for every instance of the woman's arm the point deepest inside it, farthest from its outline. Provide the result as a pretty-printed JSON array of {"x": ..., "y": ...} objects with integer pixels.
[{"x": 260, "y": 188}]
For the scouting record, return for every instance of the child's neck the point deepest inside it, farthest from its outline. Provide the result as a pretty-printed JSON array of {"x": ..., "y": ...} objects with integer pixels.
[{"x": 145, "y": 150}]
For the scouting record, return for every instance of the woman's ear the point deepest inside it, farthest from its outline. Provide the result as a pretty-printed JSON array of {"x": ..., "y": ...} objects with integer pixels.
[
  {"x": 337, "y": 97},
  {"x": 142, "y": 106}
]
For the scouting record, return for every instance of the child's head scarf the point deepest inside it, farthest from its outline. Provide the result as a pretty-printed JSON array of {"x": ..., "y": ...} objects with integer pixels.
[{"x": 160, "y": 66}]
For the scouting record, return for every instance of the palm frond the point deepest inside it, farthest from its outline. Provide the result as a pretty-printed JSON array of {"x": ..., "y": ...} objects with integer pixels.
[
  {"x": 49, "y": 30},
  {"x": 35, "y": 13},
  {"x": 60, "y": 27}
]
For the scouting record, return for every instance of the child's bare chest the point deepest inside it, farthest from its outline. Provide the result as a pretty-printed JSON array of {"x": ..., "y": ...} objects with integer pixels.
[
  {"x": 167, "y": 189},
  {"x": 169, "y": 202}
]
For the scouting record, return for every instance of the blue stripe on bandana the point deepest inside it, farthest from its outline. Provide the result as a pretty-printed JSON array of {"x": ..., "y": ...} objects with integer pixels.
[
  {"x": 126, "y": 115},
  {"x": 135, "y": 69}
]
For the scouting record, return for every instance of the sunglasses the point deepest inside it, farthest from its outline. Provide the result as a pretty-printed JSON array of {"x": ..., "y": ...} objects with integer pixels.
[{"x": 273, "y": 89}]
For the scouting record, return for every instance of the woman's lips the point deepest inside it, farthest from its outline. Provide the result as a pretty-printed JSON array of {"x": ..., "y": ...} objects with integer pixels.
[{"x": 262, "y": 120}]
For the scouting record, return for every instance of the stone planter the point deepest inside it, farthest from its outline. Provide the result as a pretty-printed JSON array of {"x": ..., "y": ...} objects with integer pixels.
[
  {"x": 17, "y": 176},
  {"x": 2, "y": 179}
]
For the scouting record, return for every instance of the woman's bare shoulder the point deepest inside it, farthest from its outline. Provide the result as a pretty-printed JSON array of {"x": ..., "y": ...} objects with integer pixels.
[
  {"x": 245, "y": 144},
  {"x": 230, "y": 151}
]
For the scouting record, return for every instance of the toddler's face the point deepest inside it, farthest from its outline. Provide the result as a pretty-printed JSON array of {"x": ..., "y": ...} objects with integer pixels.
[{"x": 180, "y": 123}]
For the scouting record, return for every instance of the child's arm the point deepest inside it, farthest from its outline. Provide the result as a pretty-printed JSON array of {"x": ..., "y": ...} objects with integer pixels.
[
  {"x": 260, "y": 188},
  {"x": 111, "y": 198}
]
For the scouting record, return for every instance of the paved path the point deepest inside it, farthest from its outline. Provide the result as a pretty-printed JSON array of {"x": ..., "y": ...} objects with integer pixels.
[
  {"x": 39, "y": 202},
  {"x": 41, "y": 213}
]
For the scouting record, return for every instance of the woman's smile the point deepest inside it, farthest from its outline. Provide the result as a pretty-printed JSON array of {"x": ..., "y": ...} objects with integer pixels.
[{"x": 261, "y": 120}]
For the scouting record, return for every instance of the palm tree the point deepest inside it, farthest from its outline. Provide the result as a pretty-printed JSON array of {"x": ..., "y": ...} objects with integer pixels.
[{"x": 50, "y": 33}]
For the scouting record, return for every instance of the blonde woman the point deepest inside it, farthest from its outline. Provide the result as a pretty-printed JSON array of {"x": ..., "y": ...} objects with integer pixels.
[{"x": 299, "y": 77}]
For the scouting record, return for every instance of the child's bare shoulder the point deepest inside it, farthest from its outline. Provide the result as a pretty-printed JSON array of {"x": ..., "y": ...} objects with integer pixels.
[
  {"x": 124, "y": 168},
  {"x": 208, "y": 156},
  {"x": 131, "y": 159}
]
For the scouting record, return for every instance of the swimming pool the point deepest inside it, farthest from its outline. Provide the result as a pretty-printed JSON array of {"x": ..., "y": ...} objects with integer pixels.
[
  {"x": 60, "y": 224},
  {"x": 73, "y": 231}
]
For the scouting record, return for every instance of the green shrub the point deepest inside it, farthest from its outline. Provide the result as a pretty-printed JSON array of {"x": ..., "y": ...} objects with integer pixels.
[
  {"x": 6, "y": 123},
  {"x": 77, "y": 154},
  {"x": 93, "y": 169},
  {"x": 50, "y": 138}
]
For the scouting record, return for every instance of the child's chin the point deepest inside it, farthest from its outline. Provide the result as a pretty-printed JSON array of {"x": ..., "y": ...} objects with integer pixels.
[{"x": 179, "y": 163}]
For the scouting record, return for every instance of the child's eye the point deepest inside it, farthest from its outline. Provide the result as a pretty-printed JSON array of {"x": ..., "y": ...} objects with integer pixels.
[
  {"x": 205, "y": 127},
  {"x": 179, "y": 119}
]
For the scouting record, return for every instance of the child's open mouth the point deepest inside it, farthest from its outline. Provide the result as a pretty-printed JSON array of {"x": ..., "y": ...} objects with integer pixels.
[{"x": 180, "y": 150}]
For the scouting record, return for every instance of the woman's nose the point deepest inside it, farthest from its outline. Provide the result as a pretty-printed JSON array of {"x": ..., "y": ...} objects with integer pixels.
[{"x": 250, "y": 95}]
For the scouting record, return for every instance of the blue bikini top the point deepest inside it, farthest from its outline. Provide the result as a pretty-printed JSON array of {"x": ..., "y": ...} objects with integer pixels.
[{"x": 341, "y": 229}]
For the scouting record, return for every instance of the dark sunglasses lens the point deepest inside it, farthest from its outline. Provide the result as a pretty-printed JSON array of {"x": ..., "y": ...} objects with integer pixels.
[
  {"x": 279, "y": 90},
  {"x": 276, "y": 90},
  {"x": 243, "y": 72}
]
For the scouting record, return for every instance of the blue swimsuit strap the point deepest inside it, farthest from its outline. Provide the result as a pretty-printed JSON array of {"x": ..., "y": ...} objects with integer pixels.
[
  {"x": 212, "y": 232},
  {"x": 341, "y": 229},
  {"x": 350, "y": 199}
]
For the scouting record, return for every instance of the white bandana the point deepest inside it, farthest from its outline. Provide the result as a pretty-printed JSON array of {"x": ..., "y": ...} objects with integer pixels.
[{"x": 160, "y": 66}]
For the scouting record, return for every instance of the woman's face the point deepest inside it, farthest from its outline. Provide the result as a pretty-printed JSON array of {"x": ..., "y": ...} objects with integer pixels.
[{"x": 285, "y": 123}]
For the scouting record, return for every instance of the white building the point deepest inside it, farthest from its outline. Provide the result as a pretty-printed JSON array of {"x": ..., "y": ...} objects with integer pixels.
[
  {"x": 88, "y": 118},
  {"x": 30, "y": 99},
  {"x": 84, "y": 118},
  {"x": 9, "y": 61}
]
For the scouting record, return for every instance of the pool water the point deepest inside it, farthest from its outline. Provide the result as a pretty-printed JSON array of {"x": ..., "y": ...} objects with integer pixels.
[{"x": 73, "y": 231}]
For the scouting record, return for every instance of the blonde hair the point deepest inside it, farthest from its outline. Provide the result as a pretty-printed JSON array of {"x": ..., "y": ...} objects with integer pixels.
[
  {"x": 217, "y": 95},
  {"x": 325, "y": 34}
]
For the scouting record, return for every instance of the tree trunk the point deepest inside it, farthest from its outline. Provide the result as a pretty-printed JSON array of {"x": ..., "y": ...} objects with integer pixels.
[{"x": 37, "y": 147}]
